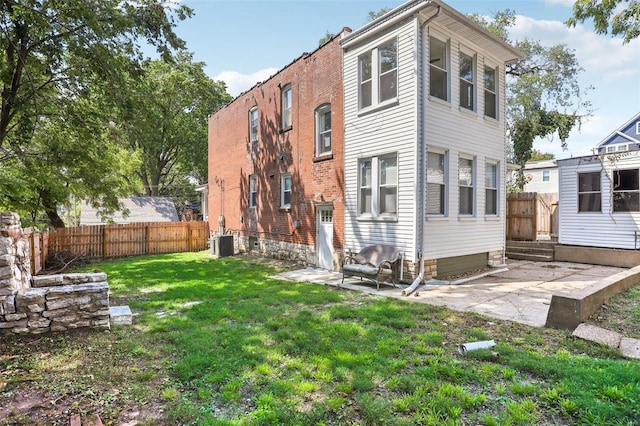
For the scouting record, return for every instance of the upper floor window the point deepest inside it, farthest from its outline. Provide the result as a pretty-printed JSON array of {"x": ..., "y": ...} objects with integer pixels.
[
  {"x": 436, "y": 182},
  {"x": 466, "y": 185},
  {"x": 378, "y": 74},
  {"x": 285, "y": 190},
  {"x": 286, "y": 106},
  {"x": 589, "y": 198},
  {"x": 378, "y": 186},
  {"x": 253, "y": 191},
  {"x": 253, "y": 124},
  {"x": 323, "y": 130},
  {"x": 490, "y": 92},
  {"x": 491, "y": 188},
  {"x": 626, "y": 191},
  {"x": 439, "y": 69},
  {"x": 546, "y": 176},
  {"x": 467, "y": 81}
]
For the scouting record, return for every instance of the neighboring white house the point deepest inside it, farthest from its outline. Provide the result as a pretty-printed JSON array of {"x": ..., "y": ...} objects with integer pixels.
[
  {"x": 541, "y": 176},
  {"x": 600, "y": 194},
  {"x": 425, "y": 163},
  {"x": 135, "y": 209}
]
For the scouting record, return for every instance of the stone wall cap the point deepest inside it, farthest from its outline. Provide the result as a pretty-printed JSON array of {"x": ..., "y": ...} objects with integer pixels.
[{"x": 77, "y": 288}]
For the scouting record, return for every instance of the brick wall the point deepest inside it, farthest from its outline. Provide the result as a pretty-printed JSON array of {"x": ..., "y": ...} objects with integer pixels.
[{"x": 315, "y": 79}]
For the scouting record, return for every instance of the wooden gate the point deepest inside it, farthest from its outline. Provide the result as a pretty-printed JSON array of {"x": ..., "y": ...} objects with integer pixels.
[
  {"x": 547, "y": 215},
  {"x": 531, "y": 216},
  {"x": 522, "y": 216}
]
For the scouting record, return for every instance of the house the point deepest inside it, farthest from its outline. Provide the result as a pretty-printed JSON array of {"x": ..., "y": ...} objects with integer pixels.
[
  {"x": 424, "y": 118},
  {"x": 138, "y": 209},
  {"x": 600, "y": 194},
  {"x": 541, "y": 176},
  {"x": 276, "y": 162}
]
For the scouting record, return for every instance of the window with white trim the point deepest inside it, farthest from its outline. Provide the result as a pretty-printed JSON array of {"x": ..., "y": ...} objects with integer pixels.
[
  {"x": 626, "y": 190},
  {"x": 438, "y": 68},
  {"x": 285, "y": 190},
  {"x": 378, "y": 75},
  {"x": 490, "y": 92},
  {"x": 491, "y": 188},
  {"x": 378, "y": 186},
  {"x": 589, "y": 192},
  {"x": 467, "y": 81},
  {"x": 466, "y": 185},
  {"x": 323, "y": 130},
  {"x": 253, "y": 191},
  {"x": 546, "y": 176},
  {"x": 286, "y": 106},
  {"x": 253, "y": 124},
  {"x": 436, "y": 182}
]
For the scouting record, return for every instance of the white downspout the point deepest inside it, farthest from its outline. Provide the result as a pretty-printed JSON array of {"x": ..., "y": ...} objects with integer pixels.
[
  {"x": 421, "y": 148},
  {"x": 420, "y": 157}
]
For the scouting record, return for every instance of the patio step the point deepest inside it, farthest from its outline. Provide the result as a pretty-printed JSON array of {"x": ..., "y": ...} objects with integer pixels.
[{"x": 530, "y": 250}]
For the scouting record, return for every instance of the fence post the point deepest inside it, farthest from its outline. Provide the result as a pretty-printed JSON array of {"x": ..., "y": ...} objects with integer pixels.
[
  {"x": 189, "y": 243},
  {"x": 105, "y": 251}
]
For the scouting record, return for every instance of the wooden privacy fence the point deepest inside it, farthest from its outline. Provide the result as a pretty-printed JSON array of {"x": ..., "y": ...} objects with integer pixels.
[
  {"x": 120, "y": 240},
  {"x": 39, "y": 246},
  {"x": 531, "y": 215}
]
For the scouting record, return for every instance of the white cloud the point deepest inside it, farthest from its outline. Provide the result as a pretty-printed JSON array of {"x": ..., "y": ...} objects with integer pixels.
[
  {"x": 237, "y": 82},
  {"x": 599, "y": 55},
  {"x": 567, "y": 3}
]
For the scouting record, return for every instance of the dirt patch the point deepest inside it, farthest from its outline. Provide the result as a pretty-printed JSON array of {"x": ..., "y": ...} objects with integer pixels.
[{"x": 621, "y": 314}]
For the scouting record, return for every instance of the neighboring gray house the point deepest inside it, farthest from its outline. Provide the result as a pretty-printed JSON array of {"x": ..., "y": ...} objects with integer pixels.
[
  {"x": 600, "y": 194},
  {"x": 541, "y": 176},
  {"x": 141, "y": 209},
  {"x": 425, "y": 163}
]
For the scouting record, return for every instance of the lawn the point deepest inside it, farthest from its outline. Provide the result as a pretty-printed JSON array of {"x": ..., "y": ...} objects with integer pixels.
[{"x": 221, "y": 342}]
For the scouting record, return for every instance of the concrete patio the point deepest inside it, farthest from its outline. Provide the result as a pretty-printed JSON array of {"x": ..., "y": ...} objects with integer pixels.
[{"x": 519, "y": 292}]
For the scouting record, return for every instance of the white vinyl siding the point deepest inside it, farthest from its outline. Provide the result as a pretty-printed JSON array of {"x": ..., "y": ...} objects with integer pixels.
[
  {"x": 602, "y": 228},
  {"x": 391, "y": 128},
  {"x": 446, "y": 128},
  {"x": 472, "y": 136}
]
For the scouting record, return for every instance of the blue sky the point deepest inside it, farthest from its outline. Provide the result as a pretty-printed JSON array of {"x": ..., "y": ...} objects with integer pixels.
[{"x": 245, "y": 41}]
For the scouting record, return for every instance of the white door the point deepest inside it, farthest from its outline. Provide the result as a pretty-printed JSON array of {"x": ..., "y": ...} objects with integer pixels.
[{"x": 324, "y": 240}]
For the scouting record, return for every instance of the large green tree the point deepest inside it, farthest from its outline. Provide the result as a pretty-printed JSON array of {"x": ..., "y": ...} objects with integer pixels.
[
  {"x": 172, "y": 102},
  {"x": 544, "y": 97},
  {"x": 62, "y": 67},
  {"x": 618, "y": 17}
]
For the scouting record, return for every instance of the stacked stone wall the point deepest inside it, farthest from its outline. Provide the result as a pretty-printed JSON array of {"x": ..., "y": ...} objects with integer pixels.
[{"x": 34, "y": 305}]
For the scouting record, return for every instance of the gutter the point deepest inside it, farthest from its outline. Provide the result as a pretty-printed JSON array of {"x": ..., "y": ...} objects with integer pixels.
[
  {"x": 385, "y": 21},
  {"x": 421, "y": 147}
]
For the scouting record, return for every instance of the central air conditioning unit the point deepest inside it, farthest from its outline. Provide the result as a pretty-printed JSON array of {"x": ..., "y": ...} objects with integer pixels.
[{"x": 222, "y": 246}]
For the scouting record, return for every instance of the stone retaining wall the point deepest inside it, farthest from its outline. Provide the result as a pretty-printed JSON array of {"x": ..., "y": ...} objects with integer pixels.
[{"x": 34, "y": 305}]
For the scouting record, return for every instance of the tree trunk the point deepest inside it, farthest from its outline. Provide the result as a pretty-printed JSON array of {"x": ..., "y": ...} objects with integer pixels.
[{"x": 55, "y": 219}]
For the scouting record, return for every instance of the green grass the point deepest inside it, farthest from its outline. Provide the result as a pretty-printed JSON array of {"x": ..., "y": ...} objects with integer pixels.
[{"x": 220, "y": 342}]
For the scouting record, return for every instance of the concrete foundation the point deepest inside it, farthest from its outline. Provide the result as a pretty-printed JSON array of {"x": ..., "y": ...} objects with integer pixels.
[
  {"x": 569, "y": 310},
  {"x": 597, "y": 256}
]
